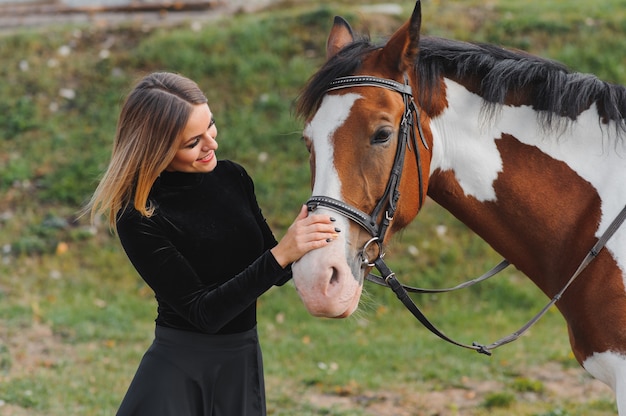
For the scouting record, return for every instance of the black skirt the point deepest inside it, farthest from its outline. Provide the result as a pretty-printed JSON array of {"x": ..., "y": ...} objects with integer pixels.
[{"x": 191, "y": 374}]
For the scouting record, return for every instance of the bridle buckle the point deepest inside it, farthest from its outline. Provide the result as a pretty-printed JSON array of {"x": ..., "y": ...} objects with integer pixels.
[{"x": 365, "y": 261}]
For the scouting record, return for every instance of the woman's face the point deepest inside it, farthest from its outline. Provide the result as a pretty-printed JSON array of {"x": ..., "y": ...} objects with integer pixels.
[{"x": 197, "y": 145}]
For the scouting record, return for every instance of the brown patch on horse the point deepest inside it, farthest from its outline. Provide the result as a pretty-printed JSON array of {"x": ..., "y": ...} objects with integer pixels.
[
  {"x": 436, "y": 102},
  {"x": 564, "y": 227},
  {"x": 596, "y": 308},
  {"x": 549, "y": 246}
]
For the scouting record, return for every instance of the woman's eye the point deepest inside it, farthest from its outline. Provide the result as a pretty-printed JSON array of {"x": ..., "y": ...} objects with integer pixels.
[
  {"x": 382, "y": 136},
  {"x": 194, "y": 143},
  {"x": 212, "y": 123}
]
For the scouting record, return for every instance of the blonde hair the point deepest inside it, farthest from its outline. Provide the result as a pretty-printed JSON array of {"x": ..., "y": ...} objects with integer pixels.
[{"x": 152, "y": 118}]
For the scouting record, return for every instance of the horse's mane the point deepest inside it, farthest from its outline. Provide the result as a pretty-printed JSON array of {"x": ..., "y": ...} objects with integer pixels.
[{"x": 552, "y": 88}]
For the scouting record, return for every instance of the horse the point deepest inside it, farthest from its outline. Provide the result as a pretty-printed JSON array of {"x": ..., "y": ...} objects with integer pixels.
[{"x": 528, "y": 154}]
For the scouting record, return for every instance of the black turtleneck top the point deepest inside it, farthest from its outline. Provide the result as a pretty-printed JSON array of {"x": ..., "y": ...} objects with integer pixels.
[{"x": 204, "y": 251}]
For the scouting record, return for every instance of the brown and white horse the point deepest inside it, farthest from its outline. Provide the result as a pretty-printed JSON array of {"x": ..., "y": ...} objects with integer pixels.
[{"x": 529, "y": 155}]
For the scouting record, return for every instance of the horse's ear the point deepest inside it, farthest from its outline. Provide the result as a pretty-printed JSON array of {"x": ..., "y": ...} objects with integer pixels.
[
  {"x": 340, "y": 35},
  {"x": 403, "y": 46}
]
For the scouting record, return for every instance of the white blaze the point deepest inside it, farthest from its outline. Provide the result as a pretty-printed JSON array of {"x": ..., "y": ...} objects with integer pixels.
[
  {"x": 332, "y": 113},
  {"x": 326, "y": 282}
]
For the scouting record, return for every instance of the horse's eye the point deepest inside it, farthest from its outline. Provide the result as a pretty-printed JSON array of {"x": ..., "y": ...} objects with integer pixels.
[{"x": 382, "y": 136}]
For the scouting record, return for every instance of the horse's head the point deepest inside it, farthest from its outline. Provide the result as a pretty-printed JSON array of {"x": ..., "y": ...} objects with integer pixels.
[{"x": 366, "y": 149}]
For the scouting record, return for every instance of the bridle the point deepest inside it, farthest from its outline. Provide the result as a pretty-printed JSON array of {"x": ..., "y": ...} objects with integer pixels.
[{"x": 389, "y": 200}]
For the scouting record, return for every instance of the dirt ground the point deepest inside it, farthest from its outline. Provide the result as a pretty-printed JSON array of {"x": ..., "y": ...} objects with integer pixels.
[
  {"x": 36, "y": 347},
  {"x": 560, "y": 385}
]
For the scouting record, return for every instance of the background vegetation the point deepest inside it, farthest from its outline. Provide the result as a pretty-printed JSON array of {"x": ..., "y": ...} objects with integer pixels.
[{"x": 74, "y": 316}]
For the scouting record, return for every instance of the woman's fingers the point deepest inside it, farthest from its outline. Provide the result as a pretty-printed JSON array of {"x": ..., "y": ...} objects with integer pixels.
[
  {"x": 321, "y": 228},
  {"x": 304, "y": 212},
  {"x": 308, "y": 232}
]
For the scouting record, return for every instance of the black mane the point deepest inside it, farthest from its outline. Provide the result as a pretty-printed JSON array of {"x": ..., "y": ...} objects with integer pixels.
[{"x": 553, "y": 89}]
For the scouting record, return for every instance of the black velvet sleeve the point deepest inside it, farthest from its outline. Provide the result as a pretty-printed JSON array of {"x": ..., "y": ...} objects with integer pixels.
[
  {"x": 177, "y": 284},
  {"x": 268, "y": 236}
]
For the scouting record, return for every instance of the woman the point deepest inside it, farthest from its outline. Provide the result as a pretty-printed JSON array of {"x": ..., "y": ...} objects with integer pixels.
[{"x": 193, "y": 230}]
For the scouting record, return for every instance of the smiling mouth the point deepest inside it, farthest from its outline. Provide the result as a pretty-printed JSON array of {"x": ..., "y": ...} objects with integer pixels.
[{"x": 208, "y": 157}]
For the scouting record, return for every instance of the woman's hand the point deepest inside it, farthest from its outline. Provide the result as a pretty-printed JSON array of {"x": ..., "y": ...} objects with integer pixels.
[{"x": 307, "y": 233}]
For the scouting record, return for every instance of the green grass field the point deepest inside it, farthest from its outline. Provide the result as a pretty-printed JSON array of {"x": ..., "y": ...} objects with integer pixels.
[{"x": 74, "y": 316}]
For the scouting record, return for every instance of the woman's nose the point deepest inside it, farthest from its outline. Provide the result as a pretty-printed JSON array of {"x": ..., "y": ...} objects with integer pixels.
[{"x": 209, "y": 142}]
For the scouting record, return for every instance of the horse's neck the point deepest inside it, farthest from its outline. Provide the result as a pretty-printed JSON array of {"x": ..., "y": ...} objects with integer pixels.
[{"x": 533, "y": 197}]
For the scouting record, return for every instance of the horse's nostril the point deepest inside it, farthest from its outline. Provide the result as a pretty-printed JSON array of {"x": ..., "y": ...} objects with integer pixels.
[{"x": 334, "y": 278}]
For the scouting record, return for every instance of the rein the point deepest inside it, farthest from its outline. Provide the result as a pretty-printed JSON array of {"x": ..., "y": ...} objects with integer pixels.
[
  {"x": 389, "y": 279},
  {"x": 389, "y": 202}
]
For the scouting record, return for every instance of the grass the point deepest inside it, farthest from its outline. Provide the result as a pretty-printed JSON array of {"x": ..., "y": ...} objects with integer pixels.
[{"x": 75, "y": 318}]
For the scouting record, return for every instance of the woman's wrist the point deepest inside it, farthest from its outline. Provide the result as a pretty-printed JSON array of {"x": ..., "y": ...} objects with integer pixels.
[{"x": 280, "y": 257}]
